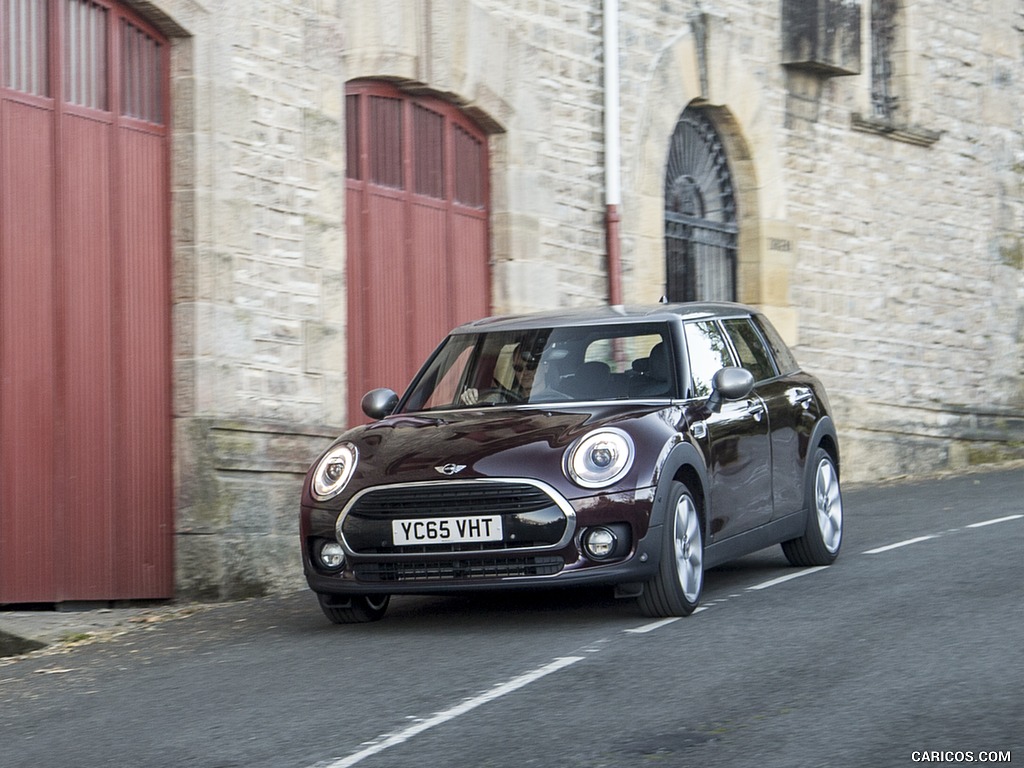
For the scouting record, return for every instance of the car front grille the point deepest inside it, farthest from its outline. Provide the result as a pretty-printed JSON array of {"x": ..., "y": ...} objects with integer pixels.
[
  {"x": 455, "y": 570},
  {"x": 531, "y": 517},
  {"x": 448, "y": 499}
]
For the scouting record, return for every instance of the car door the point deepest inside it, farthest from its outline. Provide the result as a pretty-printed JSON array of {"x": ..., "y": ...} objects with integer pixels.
[
  {"x": 786, "y": 402},
  {"x": 737, "y": 443}
]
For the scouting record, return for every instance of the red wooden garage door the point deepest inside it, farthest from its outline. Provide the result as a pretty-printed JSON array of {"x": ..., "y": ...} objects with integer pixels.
[
  {"x": 85, "y": 467},
  {"x": 417, "y": 227}
]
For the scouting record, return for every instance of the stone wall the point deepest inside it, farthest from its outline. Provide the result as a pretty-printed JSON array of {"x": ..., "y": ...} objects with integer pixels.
[
  {"x": 890, "y": 255},
  {"x": 259, "y": 304}
]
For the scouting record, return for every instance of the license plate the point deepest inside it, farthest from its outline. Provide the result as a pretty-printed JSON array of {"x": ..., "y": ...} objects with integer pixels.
[{"x": 446, "y": 530}]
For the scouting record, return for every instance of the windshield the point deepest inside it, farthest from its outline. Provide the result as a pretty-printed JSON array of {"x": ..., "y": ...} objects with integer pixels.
[{"x": 546, "y": 365}]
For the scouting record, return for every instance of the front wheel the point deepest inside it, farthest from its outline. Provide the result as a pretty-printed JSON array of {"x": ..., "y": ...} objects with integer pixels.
[
  {"x": 824, "y": 533},
  {"x": 358, "y": 609},
  {"x": 677, "y": 587}
]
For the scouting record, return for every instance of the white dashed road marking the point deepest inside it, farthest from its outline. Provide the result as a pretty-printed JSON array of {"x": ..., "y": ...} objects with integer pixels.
[
  {"x": 400, "y": 737},
  {"x": 983, "y": 523},
  {"x": 781, "y": 579},
  {"x": 897, "y": 545}
]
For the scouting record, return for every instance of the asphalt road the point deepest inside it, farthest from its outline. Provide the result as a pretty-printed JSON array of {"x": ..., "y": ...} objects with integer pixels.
[{"x": 913, "y": 642}]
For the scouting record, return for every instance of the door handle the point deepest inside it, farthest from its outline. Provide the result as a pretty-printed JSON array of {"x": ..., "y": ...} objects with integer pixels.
[
  {"x": 803, "y": 397},
  {"x": 756, "y": 410}
]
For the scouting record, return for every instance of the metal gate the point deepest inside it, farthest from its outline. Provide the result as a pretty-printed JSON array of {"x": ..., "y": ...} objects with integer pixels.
[
  {"x": 700, "y": 214},
  {"x": 86, "y": 507},
  {"x": 417, "y": 232}
]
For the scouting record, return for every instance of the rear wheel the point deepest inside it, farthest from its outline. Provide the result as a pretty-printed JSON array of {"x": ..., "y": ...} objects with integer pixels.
[
  {"x": 358, "y": 609},
  {"x": 677, "y": 587},
  {"x": 824, "y": 533}
]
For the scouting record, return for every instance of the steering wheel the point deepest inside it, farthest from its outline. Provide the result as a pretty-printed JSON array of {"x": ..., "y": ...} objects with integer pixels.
[{"x": 499, "y": 395}]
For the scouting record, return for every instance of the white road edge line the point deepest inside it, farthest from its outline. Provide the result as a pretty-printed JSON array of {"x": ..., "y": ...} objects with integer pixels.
[
  {"x": 983, "y": 523},
  {"x": 781, "y": 579},
  {"x": 898, "y": 544},
  {"x": 400, "y": 737}
]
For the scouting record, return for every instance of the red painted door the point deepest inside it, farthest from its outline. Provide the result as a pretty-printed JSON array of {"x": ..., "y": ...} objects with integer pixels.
[
  {"x": 86, "y": 509},
  {"x": 417, "y": 232}
]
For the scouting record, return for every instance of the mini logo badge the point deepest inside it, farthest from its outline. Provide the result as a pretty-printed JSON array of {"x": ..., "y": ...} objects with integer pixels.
[{"x": 450, "y": 469}]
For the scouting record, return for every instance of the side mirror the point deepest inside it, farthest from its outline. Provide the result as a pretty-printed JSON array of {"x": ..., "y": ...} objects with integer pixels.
[
  {"x": 729, "y": 384},
  {"x": 378, "y": 403}
]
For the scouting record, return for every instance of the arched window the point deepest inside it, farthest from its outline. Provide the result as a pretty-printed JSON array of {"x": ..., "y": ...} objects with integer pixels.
[
  {"x": 700, "y": 214},
  {"x": 417, "y": 227}
]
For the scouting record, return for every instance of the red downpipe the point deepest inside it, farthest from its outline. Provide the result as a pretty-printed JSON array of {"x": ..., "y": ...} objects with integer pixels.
[
  {"x": 614, "y": 246},
  {"x": 612, "y": 181}
]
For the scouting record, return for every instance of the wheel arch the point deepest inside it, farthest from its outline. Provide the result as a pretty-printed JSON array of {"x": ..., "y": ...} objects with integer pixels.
[
  {"x": 684, "y": 464},
  {"x": 824, "y": 436}
]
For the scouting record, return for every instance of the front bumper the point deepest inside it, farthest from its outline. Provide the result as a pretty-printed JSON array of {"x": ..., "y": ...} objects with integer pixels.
[{"x": 542, "y": 545}]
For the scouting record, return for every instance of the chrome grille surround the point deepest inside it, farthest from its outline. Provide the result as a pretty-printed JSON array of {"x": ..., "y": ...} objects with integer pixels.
[{"x": 450, "y": 498}]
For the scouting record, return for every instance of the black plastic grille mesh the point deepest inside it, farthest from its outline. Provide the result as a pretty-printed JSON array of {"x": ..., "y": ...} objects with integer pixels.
[{"x": 447, "y": 499}]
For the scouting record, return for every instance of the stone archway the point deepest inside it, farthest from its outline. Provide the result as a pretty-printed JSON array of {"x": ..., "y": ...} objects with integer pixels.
[{"x": 714, "y": 79}]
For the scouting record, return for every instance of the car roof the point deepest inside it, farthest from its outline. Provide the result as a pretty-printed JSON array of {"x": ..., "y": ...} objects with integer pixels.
[{"x": 606, "y": 315}]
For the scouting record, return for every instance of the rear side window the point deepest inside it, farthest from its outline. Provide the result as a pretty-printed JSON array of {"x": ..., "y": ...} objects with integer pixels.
[
  {"x": 784, "y": 359},
  {"x": 751, "y": 348},
  {"x": 709, "y": 353}
]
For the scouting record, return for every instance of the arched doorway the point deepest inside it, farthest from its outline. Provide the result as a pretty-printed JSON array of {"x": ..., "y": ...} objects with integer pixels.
[
  {"x": 86, "y": 507},
  {"x": 700, "y": 214},
  {"x": 417, "y": 231}
]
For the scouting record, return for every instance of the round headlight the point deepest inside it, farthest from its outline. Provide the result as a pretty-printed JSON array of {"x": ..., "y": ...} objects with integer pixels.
[
  {"x": 599, "y": 459},
  {"x": 333, "y": 471}
]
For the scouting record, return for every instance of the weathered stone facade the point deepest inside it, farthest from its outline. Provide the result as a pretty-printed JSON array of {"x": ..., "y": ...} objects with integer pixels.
[{"x": 888, "y": 252}]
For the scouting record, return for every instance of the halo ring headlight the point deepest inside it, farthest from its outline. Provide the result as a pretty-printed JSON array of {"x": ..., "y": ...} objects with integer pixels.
[
  {"x": 600, "y": 458},
  {"x": 333, "y": 471}
]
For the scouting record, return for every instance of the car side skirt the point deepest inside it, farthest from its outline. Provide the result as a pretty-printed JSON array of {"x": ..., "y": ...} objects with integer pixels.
[{"x": 767, "y": 535}]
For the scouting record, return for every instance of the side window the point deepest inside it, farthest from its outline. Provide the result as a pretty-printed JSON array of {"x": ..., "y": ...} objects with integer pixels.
[
  {"x": 784, "y": 359},
  {"x": 749, "y": 346},
  {"x": 620, "y": 352},
  {"x": 709, "y": 353}
]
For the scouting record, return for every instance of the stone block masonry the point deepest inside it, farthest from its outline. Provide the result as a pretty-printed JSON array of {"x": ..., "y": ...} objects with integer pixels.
[{"x": 889, "y": 254}]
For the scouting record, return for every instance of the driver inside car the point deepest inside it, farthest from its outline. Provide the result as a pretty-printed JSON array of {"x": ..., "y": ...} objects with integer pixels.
[{"x": 524, "y": 370}]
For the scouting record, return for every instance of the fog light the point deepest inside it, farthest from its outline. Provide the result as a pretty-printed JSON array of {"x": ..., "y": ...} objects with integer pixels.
[
  {"x": 332, "y": 556},
  {"x": 599, "y": 543}
]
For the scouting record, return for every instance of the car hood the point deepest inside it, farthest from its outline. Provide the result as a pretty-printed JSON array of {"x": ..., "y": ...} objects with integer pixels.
[{"x": 496, "y": 443}]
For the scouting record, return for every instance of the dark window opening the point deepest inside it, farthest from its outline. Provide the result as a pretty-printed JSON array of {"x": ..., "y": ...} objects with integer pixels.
[
  {"x": 428, "y": 152},
  {"x": 470, "y": 163},
  {"x": 884, "y": 101},
  {"x": 352, "y": 142},
  {"x": 386, "y": 147}
]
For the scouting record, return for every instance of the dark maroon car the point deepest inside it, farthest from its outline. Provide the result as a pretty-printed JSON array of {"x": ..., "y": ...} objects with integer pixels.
[{"x": 632, "y": 447}]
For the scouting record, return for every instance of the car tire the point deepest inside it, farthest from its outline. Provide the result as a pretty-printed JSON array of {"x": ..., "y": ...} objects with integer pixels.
[
  {"x": 358, "y": 609},
  {"x": 677, "y": 587},
  {"x": 824, "y": 532}
]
